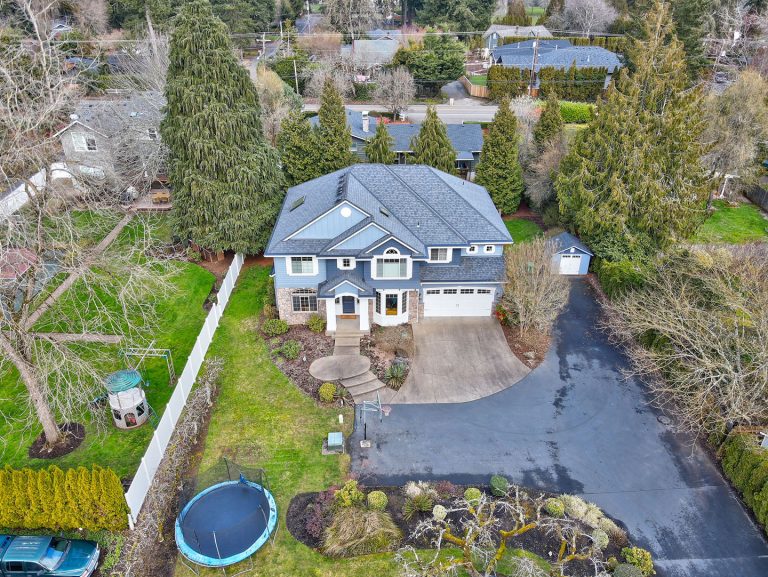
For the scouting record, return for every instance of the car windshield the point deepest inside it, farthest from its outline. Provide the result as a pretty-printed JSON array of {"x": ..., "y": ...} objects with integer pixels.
[{"x": 55, "y": 553}]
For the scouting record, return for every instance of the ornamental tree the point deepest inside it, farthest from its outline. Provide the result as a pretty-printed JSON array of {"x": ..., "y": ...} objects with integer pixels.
[
  {"x": 379, "y": 148},
  {"x": 431, "y": 145},
  {"x": 227, "y": 181},
  {"x": 333, "y": 136},
  {"x": 499, "y": 169},
  {"x": 550, "y": 125},
  {"x": 633, "y": 182}
]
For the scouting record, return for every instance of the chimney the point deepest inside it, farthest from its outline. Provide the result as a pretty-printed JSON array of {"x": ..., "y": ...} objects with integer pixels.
[{"x": 366, "y": 121}]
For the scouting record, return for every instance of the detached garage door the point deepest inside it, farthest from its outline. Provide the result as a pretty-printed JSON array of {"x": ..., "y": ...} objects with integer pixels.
[
  {"x": 458, "y": 302},
  {"x": 570, "y": 263}
]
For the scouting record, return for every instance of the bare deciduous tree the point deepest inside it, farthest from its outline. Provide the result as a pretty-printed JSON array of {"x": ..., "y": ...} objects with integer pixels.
[
  {"x": 92, "y": 15},
  {"x": 534, "y": 294},
  {"x": 338, "y": 70},
  {"x": 586, "y": 16},
  {"x": 525, "y": 109},
  {"x": 395, "y": 89},
  {"x": 541, "y": 172},
  {"x": 353, "y": 17},
  {"x": 104, "y": 294},
  {"x": 277, "y": 101},
  {"x": 698, "y": 332}
]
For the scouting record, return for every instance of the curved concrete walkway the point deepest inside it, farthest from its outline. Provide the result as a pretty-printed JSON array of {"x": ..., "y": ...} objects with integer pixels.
[
  {"x": 458, "y": 359},
  {"x": 576, "y": 425}
]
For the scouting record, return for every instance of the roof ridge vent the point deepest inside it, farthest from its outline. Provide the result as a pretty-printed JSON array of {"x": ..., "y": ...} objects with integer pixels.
[{"x": 341, "y": 187}]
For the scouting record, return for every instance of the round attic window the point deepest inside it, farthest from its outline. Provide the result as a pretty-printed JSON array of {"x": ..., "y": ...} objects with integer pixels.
[{"x": 346, "y": 212}]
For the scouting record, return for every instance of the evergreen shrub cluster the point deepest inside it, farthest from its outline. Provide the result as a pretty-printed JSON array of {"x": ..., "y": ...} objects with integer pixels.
[
  {"x": 612, "y": 43},
  {"x": 579, "y": 84},
  {"x": 509, "y": 82},
  {"x": 620, "y": 276},
  {"x": 58, "y": 500},
  {"x": 576, "y": 112},
  {"x": 274, "y": 327},
  {"x": 745, "y": 463},
  {"x": 327, "y": 392}
]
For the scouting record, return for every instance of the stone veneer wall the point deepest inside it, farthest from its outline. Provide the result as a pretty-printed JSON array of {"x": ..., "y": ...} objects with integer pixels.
[
  {"x": 284, "y": 298},
  {"x": 415, "y": 310}
]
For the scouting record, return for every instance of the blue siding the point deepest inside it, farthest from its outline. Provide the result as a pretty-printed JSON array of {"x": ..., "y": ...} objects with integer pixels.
[
  {"x": 362, "y": 239},
  {"x": 284, "y": 280},
  {"x": 583, "y": 267},
  {"x": 332, "y": 224},
  {"x": 379, "y": 250},
  {"x": 499, "y": 251}
]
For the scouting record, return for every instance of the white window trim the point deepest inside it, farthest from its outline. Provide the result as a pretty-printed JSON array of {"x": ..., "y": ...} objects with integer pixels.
[
  {"x": 80, "y": 142},
  {"x": 289, "y": 265},
  {"x": 492, "y": 248},
  {"x": 448, "y": 253},
  {"x": 297, "y": 294},
  {"x": 340, "y": 263},
  {"x": 396, "y": 254}
]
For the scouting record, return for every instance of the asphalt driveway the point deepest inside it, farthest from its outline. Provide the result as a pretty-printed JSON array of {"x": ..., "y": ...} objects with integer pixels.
[
  {"x": 575, "y": 424},
  {"x": 457, "y": 359}
]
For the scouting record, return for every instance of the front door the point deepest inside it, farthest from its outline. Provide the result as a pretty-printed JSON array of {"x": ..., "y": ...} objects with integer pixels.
[
  {"x": 348, "y": 305},
  {"x": 390, "y": 304}
]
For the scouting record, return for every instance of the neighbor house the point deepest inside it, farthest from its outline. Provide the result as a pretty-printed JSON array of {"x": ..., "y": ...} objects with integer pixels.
[
  {"x": 496, "y": 33},
  {"x": 367, "y": 56},
  {"x": 536, "y": 55},
  {"x": 466, "y": 139},
  {"x": 387, "y": 244}
]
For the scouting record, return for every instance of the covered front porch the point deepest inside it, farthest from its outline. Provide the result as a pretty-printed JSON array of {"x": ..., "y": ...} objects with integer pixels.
[{"x": 347, "y": 304}]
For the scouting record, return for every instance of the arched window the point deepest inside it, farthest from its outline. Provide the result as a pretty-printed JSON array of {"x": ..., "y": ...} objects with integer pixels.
[{"x": 391, "y": 251}]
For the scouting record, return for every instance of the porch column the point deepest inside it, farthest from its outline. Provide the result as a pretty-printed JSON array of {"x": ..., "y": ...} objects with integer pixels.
[
  {"x": 330, "y": 315},
  {"x": 365, "y": 324}
]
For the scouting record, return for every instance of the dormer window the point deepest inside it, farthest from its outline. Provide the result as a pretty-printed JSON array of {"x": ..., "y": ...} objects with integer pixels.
[
  {"x": 346, "y": 263},
  {"x": 472, "y": 249},
  {"x": 440, "y": 254},
  {"x": 391, "y": 265}
]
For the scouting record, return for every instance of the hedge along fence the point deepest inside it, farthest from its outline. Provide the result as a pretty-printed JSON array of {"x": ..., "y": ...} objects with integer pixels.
[
  {"x": 580, "y": 84},
  {"x": 53, "y": 499},
  {"x": 745, "y": 463},
  {"x": 576, "y": 112},
  {"x": 507, "y": 81},
  {"x": 612, "y": 43}
]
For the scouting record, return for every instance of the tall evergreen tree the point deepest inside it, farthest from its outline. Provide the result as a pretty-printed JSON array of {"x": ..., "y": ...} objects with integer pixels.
[
  {"x": 633, "y": 181},
  {"x": 690, "y": 19},
  {"x": 227, "y": 181},
  {"x": 431, "y": 145},
  {"x": 516, "y": 14},
  {"x": 299, "y": 150},
  {"x": 333, "y": 136},
  {"x": 550, "y": 124},
  {"x": 499, "y": 169},
  {"x": 379, "y": 148}
]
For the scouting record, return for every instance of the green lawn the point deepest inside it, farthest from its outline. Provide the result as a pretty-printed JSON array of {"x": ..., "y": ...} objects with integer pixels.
[
  {"x": 261, "y": 419},
  {"x": 733, "y": 225},
  {"x": 535, "y": 12},
  {"x": 181, "y": 317},
  {"x": 521, "y": 229},
  {"x": 479, "y": 79}
]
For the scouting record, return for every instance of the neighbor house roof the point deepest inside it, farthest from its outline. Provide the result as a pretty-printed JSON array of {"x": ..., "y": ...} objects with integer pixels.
[
  {"x": 110, "y": 116},
  {"x": 371, "y": 52},
  {"x": 355, "y": 123},
  {"x": 380, "y": 33},
  {"x": 555, "y": 54},
  {"x": 506, "y": 30},
  {"x": 417, "y": 205},
  {"x": 565, "y": 240}
]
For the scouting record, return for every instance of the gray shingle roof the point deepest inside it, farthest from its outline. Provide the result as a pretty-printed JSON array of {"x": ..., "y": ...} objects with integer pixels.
[
  {"x": 506, "y": 30},
  {"x": 325, "y": 288},
  {"x": 110, "y": 116},
  {"x": 373, "y": 52},
  {"x": 566, "y": 240},
  {"x": 425, "y": 207},
  {"x": 465, "y": 138},
  {"x": 478, "y": 269},
  {"x": 355, "y": 123},
  {"x": 556, "y": 54}
]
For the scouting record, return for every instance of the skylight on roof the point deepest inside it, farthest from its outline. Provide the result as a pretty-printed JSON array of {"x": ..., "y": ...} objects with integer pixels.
[
  {"x": 297, "y": 203},
  {"x": 384, "y": 211}
]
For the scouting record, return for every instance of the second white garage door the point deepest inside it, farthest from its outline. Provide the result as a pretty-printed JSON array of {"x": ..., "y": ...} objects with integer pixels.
[{"x": 458, "y": 302}]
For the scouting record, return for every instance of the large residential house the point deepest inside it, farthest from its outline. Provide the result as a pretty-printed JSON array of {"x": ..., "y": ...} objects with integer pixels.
[
  {"x": 560, "y": 54},
  {"x": 387, "y": 244},
  {"x": 102, "y": 131},
  {"x": 497, "y": 32},
  {"x": 466, "y": 139}
]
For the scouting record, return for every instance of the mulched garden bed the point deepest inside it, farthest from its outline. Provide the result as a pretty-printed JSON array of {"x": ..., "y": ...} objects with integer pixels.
[
  {"x": 313, "y": 346},
  {"x": 382, "y": 356},
  {"x": 306, "y": 525},
  {"x": 71, "y": 437},
  {"x": 531, "y": 347}
]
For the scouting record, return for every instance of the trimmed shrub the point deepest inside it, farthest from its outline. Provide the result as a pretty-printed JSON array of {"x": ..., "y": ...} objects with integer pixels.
[
  {"x": 627, "y": 570},
  {"x": 320, "y": 514},
  {"x": 575, "y": 507},
  {"x": 473, "y": 495},
  {"x": 327, "y": 392},
  {"x": 555, "y": 508},
  {"x": 377, "y": 500},
  {"x": 600, "y": 538},
  {"x": 640, "y": 558},
  {"x": 51, "y": 499},
  {"x": 349, "y": 495},
  {"x": 439, "y": 513},
  {"x": 290, "y": 350},
  {"x": 576, "y": 112},
  {"x": 316, "y": 323},
  {"x": 395, "y": 375},
  {"x": 499, "y": 486},
  {"x": 357, "y": 531},
  {"x": 274, "y": 327}
]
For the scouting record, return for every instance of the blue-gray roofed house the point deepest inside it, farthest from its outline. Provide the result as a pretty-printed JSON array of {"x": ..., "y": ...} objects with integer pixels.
[
  {"x": 466, "y": 139},
  {"x": 570, "y": 255},
  {"x": 387, "y": 245}
]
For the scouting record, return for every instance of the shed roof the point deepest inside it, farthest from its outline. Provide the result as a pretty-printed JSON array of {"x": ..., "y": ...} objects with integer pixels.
[{"x": 565, "y": 240}]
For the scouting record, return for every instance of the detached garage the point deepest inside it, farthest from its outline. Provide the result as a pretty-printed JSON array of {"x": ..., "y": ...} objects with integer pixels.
[{"x": 571, "y": 256}]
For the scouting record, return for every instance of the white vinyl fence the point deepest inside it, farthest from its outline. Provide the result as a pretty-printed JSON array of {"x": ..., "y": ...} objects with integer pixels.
[{"x": 137, "y": 492}]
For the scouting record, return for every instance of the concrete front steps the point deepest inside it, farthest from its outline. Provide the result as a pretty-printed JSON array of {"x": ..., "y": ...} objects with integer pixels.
[{"x": 364, "y": 384}]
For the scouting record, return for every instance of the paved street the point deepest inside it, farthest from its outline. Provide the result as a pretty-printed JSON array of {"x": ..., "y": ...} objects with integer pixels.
[{"x": 576, "y": 425}]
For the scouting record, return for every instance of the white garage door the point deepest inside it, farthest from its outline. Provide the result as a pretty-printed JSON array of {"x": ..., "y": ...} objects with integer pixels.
[
  {"x": 458, "y": 302},
  {"x": 570, "y": 263}
]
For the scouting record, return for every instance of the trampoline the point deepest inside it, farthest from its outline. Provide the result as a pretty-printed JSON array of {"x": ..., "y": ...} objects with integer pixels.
[{"x": 226, "y": 523}]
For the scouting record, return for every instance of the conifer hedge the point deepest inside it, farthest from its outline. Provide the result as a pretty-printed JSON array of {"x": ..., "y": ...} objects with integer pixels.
[
  {"x": 57, "y": 500},
  {"x": 745, "y": 463}
]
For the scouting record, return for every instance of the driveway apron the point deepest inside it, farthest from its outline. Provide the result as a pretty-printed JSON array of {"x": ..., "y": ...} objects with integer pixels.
[{"x": 576, "y": 424}]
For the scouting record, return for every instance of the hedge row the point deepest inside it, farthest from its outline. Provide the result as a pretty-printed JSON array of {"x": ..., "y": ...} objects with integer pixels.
[
  {"x": 580, "y": 84},
  {"x": 52, "y": 499},
  {"x": 576, "y": 112},
  {"x": 507, "y": 81},
  {"x": 745, "y": 463},
  {"x": 612, "y": 43}
]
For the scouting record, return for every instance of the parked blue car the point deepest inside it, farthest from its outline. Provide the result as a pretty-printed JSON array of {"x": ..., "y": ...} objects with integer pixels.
[{"x": 45, "y": 556}]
